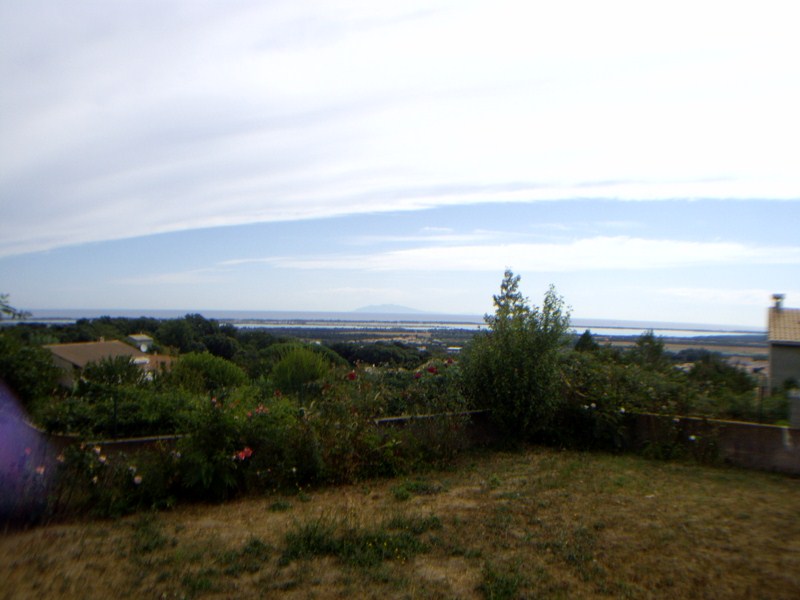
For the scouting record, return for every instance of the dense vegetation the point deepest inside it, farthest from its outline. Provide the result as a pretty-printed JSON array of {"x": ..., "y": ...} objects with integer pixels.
[{"x": 258, "y": 411}]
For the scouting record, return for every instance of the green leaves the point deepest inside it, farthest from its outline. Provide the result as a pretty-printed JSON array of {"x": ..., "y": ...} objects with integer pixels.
[{"x": 514, "y": 368}]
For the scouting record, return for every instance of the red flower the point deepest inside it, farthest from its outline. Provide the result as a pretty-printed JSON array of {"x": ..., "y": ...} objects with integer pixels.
[
  {"x": 352, "y": 375},
  {"x": 246, "y": 452},
  {"x": 433, "y": 370},
  {"x": 417, "y": 375}
]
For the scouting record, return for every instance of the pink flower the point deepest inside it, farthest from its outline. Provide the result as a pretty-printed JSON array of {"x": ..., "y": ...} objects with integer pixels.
[
  {"x": 40, "y": 470},
  {"x": 28, "y": 451}
]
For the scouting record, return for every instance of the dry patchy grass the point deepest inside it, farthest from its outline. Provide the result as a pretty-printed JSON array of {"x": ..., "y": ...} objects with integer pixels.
[{"x": 534, "y": 524}]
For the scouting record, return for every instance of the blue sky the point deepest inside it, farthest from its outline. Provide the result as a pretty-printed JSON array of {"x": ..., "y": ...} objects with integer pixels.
[{"x": 310, "y": 155}]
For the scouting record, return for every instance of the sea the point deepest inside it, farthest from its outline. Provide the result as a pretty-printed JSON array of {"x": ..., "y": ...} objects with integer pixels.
[{"x": 411, "y": 321}]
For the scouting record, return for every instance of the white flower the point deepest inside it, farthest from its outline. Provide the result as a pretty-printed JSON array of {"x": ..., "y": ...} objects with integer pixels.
[
  {"x": 137, "y": 480},
  {"x": 692, "y": 438},
  {"x": 622, "y": 409},
  {"x": 594, "y": 405}
]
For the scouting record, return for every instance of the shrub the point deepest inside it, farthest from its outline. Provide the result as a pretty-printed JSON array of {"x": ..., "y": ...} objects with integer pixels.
[
  {"x": 118, "y": 411},
  {"x": 514, "y": 368},
  {"x": 206, "y": 373},
  {"x": 284, "y": 450},
  {"x": 118, "y": 370},
  {"x": 599, "y": 392},
  {"x": 298, "y": 368},
  {"x": 27, "y": 369},
  {"x": 209, "y": 469}
]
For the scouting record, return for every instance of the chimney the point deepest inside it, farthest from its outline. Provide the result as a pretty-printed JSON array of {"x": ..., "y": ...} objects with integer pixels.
[{"x": 778, "y": 298}]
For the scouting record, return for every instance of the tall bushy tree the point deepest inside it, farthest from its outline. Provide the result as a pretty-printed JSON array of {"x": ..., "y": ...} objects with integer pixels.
[{"x": 513, "y": 369}]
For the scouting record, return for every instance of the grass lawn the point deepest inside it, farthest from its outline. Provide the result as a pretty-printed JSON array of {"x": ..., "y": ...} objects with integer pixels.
[{"x": 534, "y": 524}]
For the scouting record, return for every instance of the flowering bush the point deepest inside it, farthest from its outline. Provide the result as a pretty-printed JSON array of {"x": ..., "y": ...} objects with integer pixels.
[{"x": 213, "y": 438}]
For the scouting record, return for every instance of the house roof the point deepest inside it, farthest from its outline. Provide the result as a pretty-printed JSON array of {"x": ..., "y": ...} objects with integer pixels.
[
  {"x": 83, "y": 353},
  {"x": 784, "y": 325}
]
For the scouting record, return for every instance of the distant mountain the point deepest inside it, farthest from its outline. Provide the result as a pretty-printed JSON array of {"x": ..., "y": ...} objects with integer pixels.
[{"x": 393, "y": 309}]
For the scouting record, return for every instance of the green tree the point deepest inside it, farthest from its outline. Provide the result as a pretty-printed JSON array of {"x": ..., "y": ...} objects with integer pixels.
[
  {"x": 27, "y": 369},
  {"x": 113, "y": 371},
  {"x": 178, "y": 333},
  {"x": 586, "y": 343},
  {"x": 713, "y": 375},
  {"x": 221, "y": 345},
  {"x": 513, "y": 369},
  {"x": 202, "y": 372},
  {"x": 648, "y": 352}
]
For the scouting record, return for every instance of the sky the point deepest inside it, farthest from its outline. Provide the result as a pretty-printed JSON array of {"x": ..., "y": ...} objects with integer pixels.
[{"x": 642, "y": 157}]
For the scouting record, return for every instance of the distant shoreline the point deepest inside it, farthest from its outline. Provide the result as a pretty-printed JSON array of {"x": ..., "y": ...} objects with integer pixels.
[{"x": 364, "y": 320}]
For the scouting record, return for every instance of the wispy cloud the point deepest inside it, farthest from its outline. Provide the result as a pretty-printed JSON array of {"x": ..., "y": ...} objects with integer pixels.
[
  {"x": 592, "y": 254},
  {"x": 190, "y": 277},
  {"x": 306, "y": 110},
  {"x": 442, "y": 235}
]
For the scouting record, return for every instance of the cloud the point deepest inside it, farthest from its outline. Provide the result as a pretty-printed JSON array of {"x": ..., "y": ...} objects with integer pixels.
[
  {"x": 136, "y": 120},
  {"x": 591, "y": 254},
  {"x": 190, "y": 277},
  {"x": 443, "y": 235}
]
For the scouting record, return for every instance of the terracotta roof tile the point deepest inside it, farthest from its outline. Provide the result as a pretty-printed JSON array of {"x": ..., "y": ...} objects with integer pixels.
[
  {"x": 784, "y": 325},
  {"x": 83, "y": 353}
]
